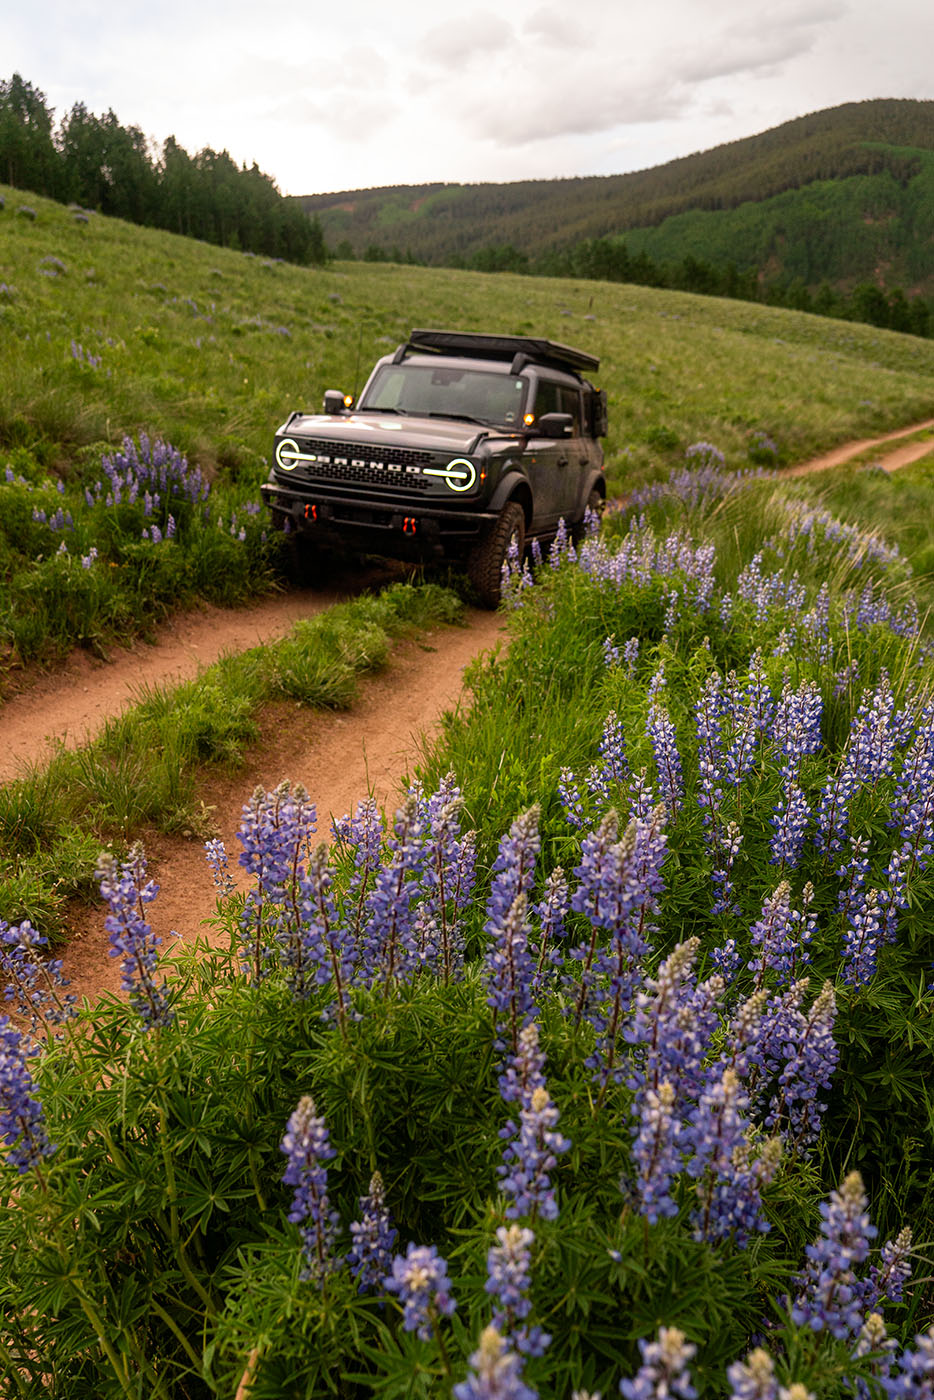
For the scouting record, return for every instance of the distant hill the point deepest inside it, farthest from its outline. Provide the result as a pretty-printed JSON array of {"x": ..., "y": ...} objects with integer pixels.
[{"x": 840, "y": 196}]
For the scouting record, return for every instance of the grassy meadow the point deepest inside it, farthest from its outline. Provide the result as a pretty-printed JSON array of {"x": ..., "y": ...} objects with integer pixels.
[{"x": 603, "y": 1065}]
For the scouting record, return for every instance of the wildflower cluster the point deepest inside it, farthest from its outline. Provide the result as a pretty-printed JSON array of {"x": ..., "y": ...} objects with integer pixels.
[{"x": 126, "y": 891}]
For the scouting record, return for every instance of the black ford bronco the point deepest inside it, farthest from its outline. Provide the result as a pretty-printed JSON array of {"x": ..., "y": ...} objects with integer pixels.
[{"x": 459, "y": 445}]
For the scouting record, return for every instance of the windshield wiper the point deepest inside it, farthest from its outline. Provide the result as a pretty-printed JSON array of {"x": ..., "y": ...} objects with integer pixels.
[{"x": 461, "y": 418}]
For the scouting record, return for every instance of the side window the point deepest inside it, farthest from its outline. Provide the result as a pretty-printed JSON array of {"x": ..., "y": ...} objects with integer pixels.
[
  {"x": 570, "y": 402},
  {"x": 547, "y": 398}
]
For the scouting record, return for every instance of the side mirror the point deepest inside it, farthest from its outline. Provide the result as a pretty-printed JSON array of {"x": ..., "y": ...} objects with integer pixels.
[
  {"x": 336, "y": 402},
  {"x": 554, "y": 425}
]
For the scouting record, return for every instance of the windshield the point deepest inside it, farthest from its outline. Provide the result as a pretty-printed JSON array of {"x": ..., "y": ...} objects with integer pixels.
[{"x": 480, "y": 396}]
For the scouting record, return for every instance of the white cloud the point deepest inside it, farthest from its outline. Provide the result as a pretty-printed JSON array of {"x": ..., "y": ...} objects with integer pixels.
[{"x": 457, "y": 42}]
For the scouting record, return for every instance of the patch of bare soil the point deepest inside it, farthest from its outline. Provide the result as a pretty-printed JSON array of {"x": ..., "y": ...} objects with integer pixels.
[{"x": 340, "y": 758}]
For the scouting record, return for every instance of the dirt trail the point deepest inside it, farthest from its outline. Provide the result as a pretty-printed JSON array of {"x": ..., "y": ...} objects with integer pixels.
[
  {"x": 339, "y": 757},
  {"x": 890, "y": 461}
]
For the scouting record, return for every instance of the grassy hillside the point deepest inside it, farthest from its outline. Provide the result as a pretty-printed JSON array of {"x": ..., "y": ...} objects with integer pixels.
[
  {"x": 438, "y": 223},
  {"x": 108, "y": 330}
]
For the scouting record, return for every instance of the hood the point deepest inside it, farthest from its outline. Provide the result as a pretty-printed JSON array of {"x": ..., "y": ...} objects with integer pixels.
[{"x": 388, "y": 430}]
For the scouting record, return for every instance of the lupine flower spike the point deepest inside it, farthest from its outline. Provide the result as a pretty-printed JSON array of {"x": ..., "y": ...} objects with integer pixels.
[
  {"x": 307, "y": 1146},
  {"x": 126, "y": 890}
]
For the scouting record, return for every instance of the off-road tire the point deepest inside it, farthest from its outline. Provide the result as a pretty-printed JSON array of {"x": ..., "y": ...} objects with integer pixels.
[{"x": 485, "y": 565}]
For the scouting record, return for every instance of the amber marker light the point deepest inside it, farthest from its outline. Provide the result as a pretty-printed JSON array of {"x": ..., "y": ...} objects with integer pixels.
[
  {"x": 528, "y": 419},
  {"x": 348, "y": 400}
]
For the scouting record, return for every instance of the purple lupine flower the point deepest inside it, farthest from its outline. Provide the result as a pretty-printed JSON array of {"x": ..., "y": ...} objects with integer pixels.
[
  {"x": 619, "y": 884},
  {"x": 726, "y": 959},
  {"x": 510, "y": 973},
  {"x": 22, "y": 1124},
  {"x": 323, "y": 951},
  {"x": 728, "y": 1183},
  {"x": 421, "y": 1281},
  {"x": 673, "y": 1048},
  {"x": 867, "y": 758},
  {"x": 611, "y": 655},
  {"x": 530, "y": 1156},
  {"x": 661, "y": 732},
  {"x": 125, "y": 891},
  {"x": 893, "y": 897},
  {"x": 570, "y": 798},
  {"x": 307, "y": 1146},
  {"x": 754, "y": 1378},
  {"x": 550, "y": 913},
  {"x": 829, "y": 1294},
  {"x": 561, "y": 547},
  {"x": 656, "y": 1151},
  {"x": 914, "y": 1377},
  {"x": 509, "y": 1276},
  {"x": 389, "y": 939},
  {"x": 853, "y": 873},
  {"x": 797, "y": 1052},
  {"x": 215, "y": 853},
  {"x": 373, "y": 1237},
  {"x": 748, "y": 714},
  {"x": 664, "y": 1370},
  {"x": 275, "y": 831},
  {"x": 796, "y": 729},
  {"x": 781, "y": 935},
  {"x": 725, "y": 841},
  {"x": 631, "y": 655},
  {"x": 34, "y": 981},
  {"x": 861, "y": 939},
  {"x": 735, "y": 1207},
  {"x": 887, "y": 1279},
  {"x": 509, "y": 967},
  {"x": 710, "y": 712},
  {"x": 790, "y": 820},
  {"x": 525, "y": 1071},
  {"x": 361, "y": 838},
  {"x": 448, "y": 877},
  {"x": 496, "y": 1374}
]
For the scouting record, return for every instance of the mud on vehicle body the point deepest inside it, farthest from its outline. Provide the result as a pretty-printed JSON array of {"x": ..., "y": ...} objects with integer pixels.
[{"x": 460, "y": 445}]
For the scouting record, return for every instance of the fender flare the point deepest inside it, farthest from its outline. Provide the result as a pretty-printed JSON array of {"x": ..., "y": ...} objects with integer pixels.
[
  {"x": 514, "y": 486},
  {"x": 594, "y": 481}
]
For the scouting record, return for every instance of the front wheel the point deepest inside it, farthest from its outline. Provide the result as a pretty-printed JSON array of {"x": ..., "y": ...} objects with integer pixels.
[{"x": 485, "y": 565}]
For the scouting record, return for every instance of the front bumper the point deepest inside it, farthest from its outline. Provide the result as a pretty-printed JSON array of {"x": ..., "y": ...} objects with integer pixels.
[{"x": 415, "y": 530}]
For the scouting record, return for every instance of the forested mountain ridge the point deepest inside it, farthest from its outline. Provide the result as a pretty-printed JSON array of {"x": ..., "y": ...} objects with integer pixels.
[{"x": 887, "y": 141}]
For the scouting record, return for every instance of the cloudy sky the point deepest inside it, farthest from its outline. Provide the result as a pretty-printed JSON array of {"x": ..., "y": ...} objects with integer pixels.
[{"x": 381, "y": 92}]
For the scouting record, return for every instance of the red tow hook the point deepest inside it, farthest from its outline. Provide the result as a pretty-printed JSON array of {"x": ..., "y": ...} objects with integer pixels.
[
  {"x": 408, "y": 525},
  {"x": 311, "y": 512}
]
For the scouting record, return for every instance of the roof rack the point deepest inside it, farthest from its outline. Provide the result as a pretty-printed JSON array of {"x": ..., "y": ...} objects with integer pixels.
[{"x": 519, "y": 349}]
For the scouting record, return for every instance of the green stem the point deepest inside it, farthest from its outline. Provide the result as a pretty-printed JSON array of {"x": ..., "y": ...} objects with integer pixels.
[
  {"x": 446, "y": 1360},
  {"x": 179, "y": 1335}
]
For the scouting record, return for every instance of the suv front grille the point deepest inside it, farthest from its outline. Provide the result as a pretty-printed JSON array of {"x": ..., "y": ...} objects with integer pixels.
[{"x": 344, "y": 461}]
